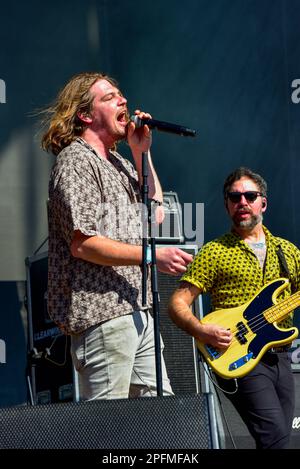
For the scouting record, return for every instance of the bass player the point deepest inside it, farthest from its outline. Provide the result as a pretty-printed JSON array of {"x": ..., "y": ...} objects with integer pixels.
[{"x": 232, "y": 269}]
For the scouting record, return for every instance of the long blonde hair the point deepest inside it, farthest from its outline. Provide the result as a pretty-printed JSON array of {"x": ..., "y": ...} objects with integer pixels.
[{"x": 61, "y": 117}]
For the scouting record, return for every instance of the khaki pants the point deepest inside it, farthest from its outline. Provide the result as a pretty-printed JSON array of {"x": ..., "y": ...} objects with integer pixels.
[{"x": 117, "y": 359}]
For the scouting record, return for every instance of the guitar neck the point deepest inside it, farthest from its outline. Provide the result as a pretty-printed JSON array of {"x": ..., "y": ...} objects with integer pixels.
[{"x": 282, "y": 309}]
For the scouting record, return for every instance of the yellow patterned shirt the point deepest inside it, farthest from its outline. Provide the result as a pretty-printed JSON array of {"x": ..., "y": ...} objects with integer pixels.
[{"x": 228, "y": 269}]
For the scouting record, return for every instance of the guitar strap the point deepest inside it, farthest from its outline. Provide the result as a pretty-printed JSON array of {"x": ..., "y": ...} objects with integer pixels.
[{"x": 284, "y": 266}]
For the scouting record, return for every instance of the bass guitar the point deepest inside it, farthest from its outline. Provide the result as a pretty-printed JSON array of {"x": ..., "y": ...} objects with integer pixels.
[{"x": 254, "y": 329}]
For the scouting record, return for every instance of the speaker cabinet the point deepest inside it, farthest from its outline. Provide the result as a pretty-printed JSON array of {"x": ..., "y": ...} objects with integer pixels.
[
  {"x": 180, "y": 354},
  {"x": 49, "y": 362},
  {"x": 158, "y": 423},
  {"x": 170, "y": 230}
]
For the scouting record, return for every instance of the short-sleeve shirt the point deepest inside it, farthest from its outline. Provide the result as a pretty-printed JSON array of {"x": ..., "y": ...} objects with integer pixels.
[
  {"x": 228, "y": 269},
  {"x": 98, "y": 197}
]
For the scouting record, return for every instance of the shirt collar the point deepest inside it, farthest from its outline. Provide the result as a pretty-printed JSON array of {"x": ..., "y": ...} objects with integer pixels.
[{"x": 235, "y": 237}]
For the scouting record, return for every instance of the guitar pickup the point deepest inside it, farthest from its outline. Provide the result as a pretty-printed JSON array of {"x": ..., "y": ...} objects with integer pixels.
[
  {"x": 212, "y": 351},
  {"x": 240, "y": 362},
  {"x": 242, "y": 331}
]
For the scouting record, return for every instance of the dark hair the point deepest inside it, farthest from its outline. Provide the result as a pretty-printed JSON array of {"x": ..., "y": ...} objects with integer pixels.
[{"x": 245, "y": 172}]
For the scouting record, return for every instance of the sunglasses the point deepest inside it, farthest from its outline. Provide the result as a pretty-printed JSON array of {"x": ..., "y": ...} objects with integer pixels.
[{"x": 250, "y": 196}]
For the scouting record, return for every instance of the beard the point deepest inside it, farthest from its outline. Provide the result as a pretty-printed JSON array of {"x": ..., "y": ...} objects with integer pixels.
[{"x": 248, "y": 224}]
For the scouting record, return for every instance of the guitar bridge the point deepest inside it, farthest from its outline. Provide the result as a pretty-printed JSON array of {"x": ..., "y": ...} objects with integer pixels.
[
  {"x": 212, "y": 352},
  {"x": 240, "y": 362}
]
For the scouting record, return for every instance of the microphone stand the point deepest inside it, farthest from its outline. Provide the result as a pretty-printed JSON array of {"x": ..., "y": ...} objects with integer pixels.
[{"x": 149, "y": 255}]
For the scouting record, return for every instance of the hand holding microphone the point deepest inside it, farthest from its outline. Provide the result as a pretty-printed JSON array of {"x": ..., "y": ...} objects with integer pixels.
[{"x": 139, "y": 138}]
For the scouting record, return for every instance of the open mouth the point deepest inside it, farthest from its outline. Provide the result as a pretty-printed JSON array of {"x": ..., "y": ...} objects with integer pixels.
[{"x": 123, "y": 117}]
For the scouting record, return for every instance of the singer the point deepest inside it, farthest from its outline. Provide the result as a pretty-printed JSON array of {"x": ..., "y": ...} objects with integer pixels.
[{"x": 94, "y": 267}]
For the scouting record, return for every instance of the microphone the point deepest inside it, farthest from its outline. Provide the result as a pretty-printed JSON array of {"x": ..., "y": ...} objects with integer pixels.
[{"x": 163, "y": 126}]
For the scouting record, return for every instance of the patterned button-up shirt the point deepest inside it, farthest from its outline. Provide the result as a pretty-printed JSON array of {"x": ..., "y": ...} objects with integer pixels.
[
  {"x": 97, "y": 197},
  {"x": 229, "y": 270}
]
